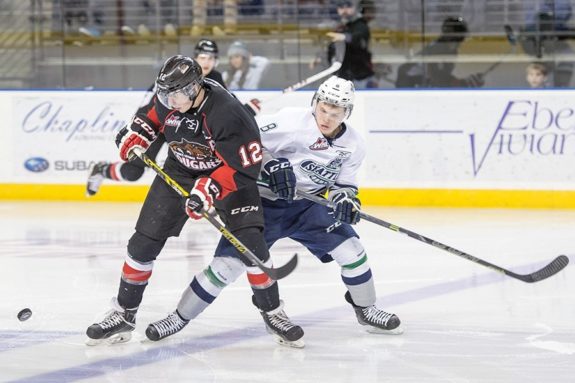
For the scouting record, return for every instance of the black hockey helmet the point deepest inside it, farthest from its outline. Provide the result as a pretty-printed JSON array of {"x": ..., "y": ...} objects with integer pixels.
[
  {"x": 179, "y": 73},
  {"x": 206, "y": 46},
  {"x": 454, "y": 28}
]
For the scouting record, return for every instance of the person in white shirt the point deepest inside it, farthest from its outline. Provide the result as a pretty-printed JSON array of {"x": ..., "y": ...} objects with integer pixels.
[{"x": 245, "y": 70}]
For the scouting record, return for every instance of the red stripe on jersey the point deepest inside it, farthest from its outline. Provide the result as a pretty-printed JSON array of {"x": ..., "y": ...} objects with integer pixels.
[
  {"x": 153, "y": 115},
  {"x": 224, "y": 176},
  {"x": 261, "y": 280},
  {"x": 131, "y": 274},
  {"x": 114, "y": 172}
]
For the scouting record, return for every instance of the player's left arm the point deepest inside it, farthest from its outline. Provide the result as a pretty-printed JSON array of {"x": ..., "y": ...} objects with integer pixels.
[{"x": 238, "y": 145}]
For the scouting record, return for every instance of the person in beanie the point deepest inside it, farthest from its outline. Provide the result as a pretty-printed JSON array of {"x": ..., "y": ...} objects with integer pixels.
[{"x": 245, "y": 70}]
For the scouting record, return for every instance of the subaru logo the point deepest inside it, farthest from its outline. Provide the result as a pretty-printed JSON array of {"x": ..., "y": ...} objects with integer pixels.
[{"x": 36, "y": 164}]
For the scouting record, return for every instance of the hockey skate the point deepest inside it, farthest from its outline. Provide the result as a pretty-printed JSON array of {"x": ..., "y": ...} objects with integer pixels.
[
  {"x": 281, "y": 327},
  {"x": 376, "y": 320},
  {"x": 116, "y": 327},
  {"x": 170, "y": 325},
  {"x": 96, "y": 177}
]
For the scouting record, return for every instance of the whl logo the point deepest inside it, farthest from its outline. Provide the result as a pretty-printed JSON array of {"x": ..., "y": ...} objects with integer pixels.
[{"x": 320, "y": 144}]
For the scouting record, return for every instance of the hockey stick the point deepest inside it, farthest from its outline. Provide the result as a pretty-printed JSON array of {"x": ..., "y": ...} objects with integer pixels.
[
  {"x": 552, "y": 268},
  {"x": 336, "y": 64},
  {"x": 339, "y": 53},
  {"x": 318, "y": 76},
  {"x": 274, "y": 273}
]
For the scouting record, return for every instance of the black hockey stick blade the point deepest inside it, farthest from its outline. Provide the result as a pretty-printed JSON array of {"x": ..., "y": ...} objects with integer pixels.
[
  {"x": 551, "y": 269},
  {"x": 277, "y": 273}
]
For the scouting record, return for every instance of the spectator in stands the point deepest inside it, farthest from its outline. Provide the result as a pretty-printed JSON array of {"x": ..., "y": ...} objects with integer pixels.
[
  {"x": 367, "y": 9},
  {"x": 245, "y": 70},
  {"x": 82, "y": 16},
  {"x": 537, "y": 75},
  {"x": 251, "y": 7},
  {"x": 354, "y": 31},
  {"x": 147, "y": 15},
  {"x": 545, "y": 33},
  {"x": 439, "y": 74}
]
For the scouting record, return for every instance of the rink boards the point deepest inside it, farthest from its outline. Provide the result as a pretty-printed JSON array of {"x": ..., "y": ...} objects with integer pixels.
[{"x": 485, "y": 148}]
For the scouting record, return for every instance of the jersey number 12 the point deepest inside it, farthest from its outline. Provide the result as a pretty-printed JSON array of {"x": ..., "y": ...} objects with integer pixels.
[{"x": 250, "y": 155}]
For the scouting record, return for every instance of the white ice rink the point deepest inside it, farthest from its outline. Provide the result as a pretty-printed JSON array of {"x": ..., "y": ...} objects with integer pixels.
[{"x": 463, "y": 322}]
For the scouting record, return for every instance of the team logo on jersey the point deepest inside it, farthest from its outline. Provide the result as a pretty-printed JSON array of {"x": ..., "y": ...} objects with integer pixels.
[
  {"x": 185, "y": 123},
  {"x": 194, "y": 156},
  {"x": 320, "y": 144},
  {"x": 324, "y": 174}
]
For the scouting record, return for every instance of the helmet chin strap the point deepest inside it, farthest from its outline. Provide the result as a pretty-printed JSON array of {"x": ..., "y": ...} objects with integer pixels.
[{"x": 193, "y": 100}]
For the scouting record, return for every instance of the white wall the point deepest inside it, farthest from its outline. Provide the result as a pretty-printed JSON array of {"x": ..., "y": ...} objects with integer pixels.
[{"x": 416, "y": 139}]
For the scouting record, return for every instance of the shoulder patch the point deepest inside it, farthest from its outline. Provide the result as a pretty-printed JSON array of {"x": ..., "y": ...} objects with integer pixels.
[{"x": 320, "y": 144}]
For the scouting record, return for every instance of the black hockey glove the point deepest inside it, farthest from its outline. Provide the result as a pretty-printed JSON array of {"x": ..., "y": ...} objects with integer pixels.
[
  {"x": 346, "y": 206},
  {"x": 281, "y": 178},
  {"x": 202, "y": 197}
]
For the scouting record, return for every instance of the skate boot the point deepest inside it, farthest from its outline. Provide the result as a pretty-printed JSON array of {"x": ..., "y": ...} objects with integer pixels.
[
  {"x": 166, "y": 327},
  {"x": 96, "y": 177},
  {"x": 116, "y": 327},
  {"x": 376, "y": 320},
  {"x": 281, "y": 327}
]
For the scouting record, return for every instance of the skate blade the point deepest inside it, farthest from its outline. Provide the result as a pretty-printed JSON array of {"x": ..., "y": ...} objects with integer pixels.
[
  {"x": 375, "y": 330},
  {"x": 122, "y": 337},
  {"x": 287, "y": 343}
]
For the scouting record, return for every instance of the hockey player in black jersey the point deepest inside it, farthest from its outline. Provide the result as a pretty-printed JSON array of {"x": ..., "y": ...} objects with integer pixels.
[
  {"x": 315, "y": 150},
  {"x": 206, "y": 54},
  {"x": 216, "y": 153}
]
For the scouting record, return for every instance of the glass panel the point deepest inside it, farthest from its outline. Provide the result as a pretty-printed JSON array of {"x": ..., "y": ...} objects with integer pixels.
[{"x": 122, "y": 43}]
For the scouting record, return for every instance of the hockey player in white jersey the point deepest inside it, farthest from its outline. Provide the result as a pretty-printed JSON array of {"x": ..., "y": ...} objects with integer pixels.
[{"x": 315, "y": 150}]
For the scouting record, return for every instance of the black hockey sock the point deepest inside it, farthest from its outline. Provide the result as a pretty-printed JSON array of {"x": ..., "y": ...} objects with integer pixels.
[
  {"x": 129, "y": 295},
  {"x": 267, "y": 299}
]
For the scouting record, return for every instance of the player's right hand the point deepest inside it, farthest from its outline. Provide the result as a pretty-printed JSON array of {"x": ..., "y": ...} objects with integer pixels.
[
  {"x": 282, "y": 179},
  {"x": 138, "y": 135},
  {"x": 202, "y": 197}
]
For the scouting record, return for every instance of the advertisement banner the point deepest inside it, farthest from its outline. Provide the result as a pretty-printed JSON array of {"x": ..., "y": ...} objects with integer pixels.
[
  {"x": 464, "y": 139},
  {"x": 471, "y": 139},
  {"x": 58, "y": 135}
]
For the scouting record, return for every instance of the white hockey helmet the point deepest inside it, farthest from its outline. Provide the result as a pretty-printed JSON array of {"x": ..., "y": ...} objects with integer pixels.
[{"x": 336, "y": 91}]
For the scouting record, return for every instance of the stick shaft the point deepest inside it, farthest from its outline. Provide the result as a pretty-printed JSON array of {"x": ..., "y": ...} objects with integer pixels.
[
  {"x": 318, "y": 76},
  {"x": 552, "y": 268}
]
